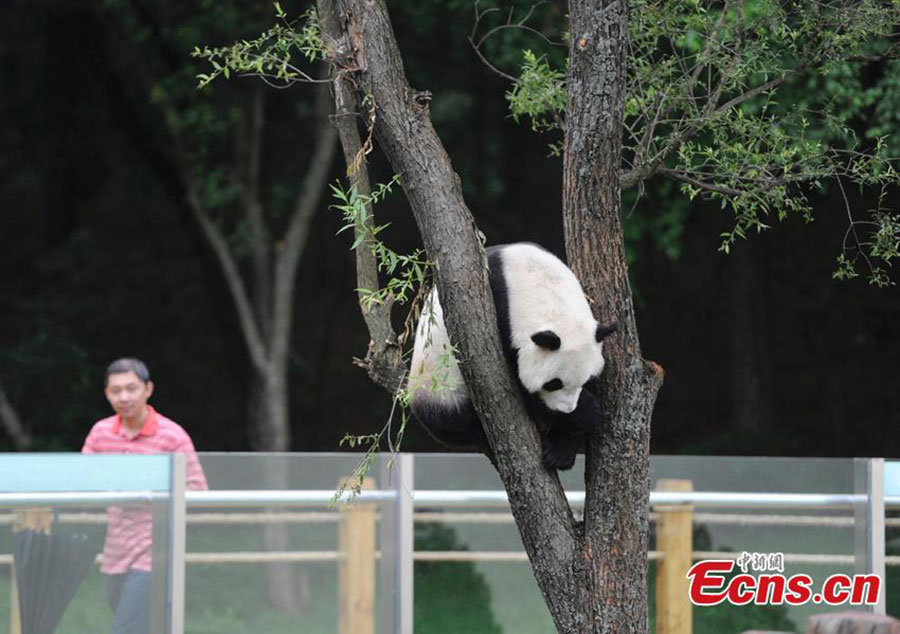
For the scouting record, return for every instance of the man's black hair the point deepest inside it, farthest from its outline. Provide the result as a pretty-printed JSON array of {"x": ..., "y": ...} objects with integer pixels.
[{"x": 128, "y": 364}]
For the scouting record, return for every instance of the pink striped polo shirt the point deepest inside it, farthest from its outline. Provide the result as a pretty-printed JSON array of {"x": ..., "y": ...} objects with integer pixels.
[{"x": 129, "y": 531}]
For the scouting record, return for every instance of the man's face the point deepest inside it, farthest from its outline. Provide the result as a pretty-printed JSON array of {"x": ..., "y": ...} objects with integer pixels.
[{"x": 127, "y": 393}]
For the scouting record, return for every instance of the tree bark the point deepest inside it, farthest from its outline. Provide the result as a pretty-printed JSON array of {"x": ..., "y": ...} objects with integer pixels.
[
  {"x": 613, "y": 579},
  {"x": 592, "y": 576},
  {"x": 269, "y": 411}
]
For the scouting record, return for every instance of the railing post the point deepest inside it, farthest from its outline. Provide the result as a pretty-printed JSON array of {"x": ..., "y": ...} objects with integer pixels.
[
  {"x": 405, "y": 529},
  {"x": 396, "y": 539},
  {"x": 356, "y": 568},
  {"x": 870, "y": 547},
  {"x": 177, "y": 518},
  {"x": 674, "y": 530}
]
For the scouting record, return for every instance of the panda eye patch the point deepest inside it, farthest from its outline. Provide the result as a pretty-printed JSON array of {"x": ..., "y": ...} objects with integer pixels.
[{"x": 552, "y": 386}]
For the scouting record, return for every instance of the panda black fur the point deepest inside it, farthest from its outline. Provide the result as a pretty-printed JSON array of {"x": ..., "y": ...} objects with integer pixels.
[{"x": 551, "y": 340}]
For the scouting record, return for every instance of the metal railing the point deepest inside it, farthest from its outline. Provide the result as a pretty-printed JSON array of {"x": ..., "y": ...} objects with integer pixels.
[{"x": 400, "y": 503}]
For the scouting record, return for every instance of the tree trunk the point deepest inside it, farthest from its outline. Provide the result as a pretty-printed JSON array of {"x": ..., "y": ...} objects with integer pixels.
[
  {"x": 269, "y": 418},
  {"x": 612, "y": 576},
  {"x": 269, "y": 411}
]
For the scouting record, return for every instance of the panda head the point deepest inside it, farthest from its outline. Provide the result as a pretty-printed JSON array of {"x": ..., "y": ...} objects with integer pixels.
[{"x": 555, "y": 366}]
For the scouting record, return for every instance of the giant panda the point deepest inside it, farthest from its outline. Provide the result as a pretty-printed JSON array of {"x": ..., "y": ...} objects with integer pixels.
[{"x": 551, "y": 340}]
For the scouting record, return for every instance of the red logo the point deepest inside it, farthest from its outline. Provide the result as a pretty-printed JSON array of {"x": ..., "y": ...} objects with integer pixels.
[{"x": 711, "y": 583}]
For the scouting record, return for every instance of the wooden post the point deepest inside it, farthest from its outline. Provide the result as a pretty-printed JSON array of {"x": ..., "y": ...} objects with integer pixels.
[
  {"x": 356, "y": 570},
  {"x": 15, "y": 620},
  {"x": 674, "y": 530},
  {"x": 30, "y": 519}
]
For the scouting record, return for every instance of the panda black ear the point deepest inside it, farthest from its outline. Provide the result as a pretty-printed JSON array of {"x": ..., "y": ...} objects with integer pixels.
[
  {"x": 604, "y": 331},
  {"x": 546, "y": 339}
]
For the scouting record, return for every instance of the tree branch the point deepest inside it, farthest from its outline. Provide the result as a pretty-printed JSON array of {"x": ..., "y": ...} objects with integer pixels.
[
  {"x": 679, "y": 175},
  {"x": 256, "y": 347},
  {"x": 383, "y": 361},
  {"x": 646, "y": 169},
  {"x": 509, "y": 24},
  {"x": 253, "y": 211}
]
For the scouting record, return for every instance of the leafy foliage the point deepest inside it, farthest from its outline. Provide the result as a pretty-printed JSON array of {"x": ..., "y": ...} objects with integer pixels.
[
  {"x": 271, "y": 55},
  {"x": 703, "y": 107},
  {"x": 405, "y": 273},
  {"x": 539, "y": 93}
]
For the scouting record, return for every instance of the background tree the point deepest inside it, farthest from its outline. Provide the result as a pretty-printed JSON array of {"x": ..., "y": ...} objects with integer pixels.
[{"x": 253, "y": 214}]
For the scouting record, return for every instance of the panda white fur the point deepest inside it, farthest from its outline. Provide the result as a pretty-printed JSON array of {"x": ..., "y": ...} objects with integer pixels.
[{"x": 551, "y": 340}]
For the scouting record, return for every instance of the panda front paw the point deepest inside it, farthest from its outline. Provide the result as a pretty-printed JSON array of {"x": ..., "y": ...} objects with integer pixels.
[
  {"x": 559, "y": 458},
  {"x": 589, "y": 413},
  {"x": 560, "y": 446}
]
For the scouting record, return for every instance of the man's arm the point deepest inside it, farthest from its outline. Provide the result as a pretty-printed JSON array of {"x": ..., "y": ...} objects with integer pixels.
[{"x": 196, "y": 479}]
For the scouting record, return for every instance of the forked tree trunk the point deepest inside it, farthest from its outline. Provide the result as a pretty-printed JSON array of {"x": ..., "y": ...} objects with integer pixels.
[{"x": 593, "y": 574}]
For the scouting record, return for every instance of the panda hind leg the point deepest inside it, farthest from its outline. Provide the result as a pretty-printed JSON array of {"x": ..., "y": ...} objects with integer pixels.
[{"x": 453, "y": 424}]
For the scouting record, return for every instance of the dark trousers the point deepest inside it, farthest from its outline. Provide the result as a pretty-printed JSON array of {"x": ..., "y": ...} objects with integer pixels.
[{"x": 129, "y": 597}]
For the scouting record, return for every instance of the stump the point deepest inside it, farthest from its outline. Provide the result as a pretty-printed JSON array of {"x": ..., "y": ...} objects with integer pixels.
[{"x": 852, "y": 623}]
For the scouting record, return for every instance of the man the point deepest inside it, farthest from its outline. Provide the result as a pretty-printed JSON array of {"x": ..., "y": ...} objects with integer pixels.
[{"x": 136, "y": 428}]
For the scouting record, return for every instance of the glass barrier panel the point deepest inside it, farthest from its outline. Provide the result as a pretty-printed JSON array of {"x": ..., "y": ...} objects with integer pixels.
[
  {"x": 477, "y": 552},
  {"x": 54, "y": 512},
  {"x": 471, "y": 572},
  {"x": 278, "y": 568},
  {"x": 813, "y": 541}
]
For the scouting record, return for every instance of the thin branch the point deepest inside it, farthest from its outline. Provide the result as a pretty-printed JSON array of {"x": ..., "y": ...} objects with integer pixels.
[
  {"x": 698, "y": 183},
  {"x": 852, "y": 228},
  {"x": 750, "y": 94},
  {"x": 509, "y": 24},
  {"x": 493, "y": 68},
  {"x": 709, "y": 42}
]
